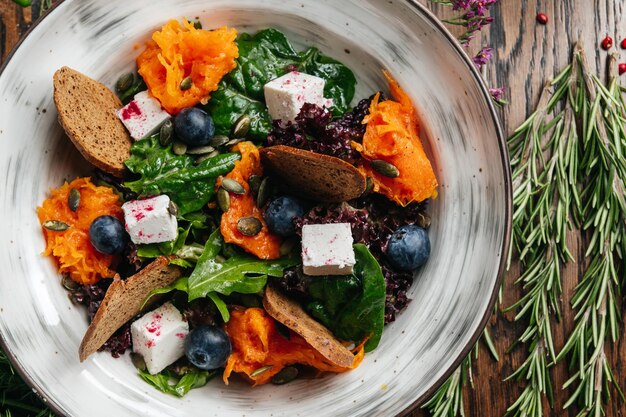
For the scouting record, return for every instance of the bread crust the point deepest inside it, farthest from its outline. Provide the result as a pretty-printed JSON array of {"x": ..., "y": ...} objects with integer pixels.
[
  {"x": 292, "y": 315},
  {"x": 87, "y": 112},
  {"x": 123, "y": 301},
  {"x": 315, "y": 176}
]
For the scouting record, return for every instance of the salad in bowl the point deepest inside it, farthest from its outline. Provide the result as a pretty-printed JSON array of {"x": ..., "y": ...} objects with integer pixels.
[{"x": 244, "y": 219}]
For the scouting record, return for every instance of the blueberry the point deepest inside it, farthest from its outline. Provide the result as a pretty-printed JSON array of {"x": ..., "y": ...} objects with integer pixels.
[
  {"x": 207, "y": 347},
  {"x": 194, "y": 126},
  {"x": 107, "y": 235},
  {"x": 280, "y": 213},
  {"x": 408, "y": 247}
]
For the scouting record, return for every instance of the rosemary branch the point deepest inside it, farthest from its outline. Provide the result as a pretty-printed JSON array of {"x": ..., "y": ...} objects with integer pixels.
[
  {"x": 602, "y": 176},
  {"x": 544, "y": 160}
]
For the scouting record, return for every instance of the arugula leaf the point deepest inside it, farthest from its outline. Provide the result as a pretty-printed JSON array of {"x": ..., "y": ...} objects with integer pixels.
[
  {"x": 264, "y": 56},
  {"x": 352, "y": 306},
  {"x": 227, "y": 104},
  {"x": 181, "y": 284},
  {"x": 221, "y": 306},
  {"x": 162, "y": 172},
  {"x": 137, "y": 86},
  {"x": 170, "y": 383},
  {"x": 240, "y": 273}
]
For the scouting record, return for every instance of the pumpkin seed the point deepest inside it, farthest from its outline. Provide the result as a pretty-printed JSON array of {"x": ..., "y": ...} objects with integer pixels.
[
  {"x": 124, "y": 82},
  {"x": 186, "y": 83},
  {"x": 223, "y": 199},
  {"x": 200, "y": 150},
  {"x": 287, "y": 374},
  {"x": 73, "y": 200},
  {"x": 287, "y": 246},
  {"x": 166, "y": 133},
  {"x": 423, "y": 220},
  {"x": 385, "y": 168},
  {"x": 249, "y": 226},
  {"x": 241, "y": 126},
  {"x": 218, "y": 140},
  {"x": 197, "y": 24},
  {"x": 259, "y": 371},
  {"x": 69, "y": 284},
  {"x": 254, "y": 182},
  {"x": 232, "y": 142},
  {"x": 264, "y": 193},
  {"x": 172, "y": 208},
  {"x": 179, "y": 148},
  {"x": 233, "y": 186},
  {"x": 138, "y": 361},
  {"x": 55, "y": 225}
]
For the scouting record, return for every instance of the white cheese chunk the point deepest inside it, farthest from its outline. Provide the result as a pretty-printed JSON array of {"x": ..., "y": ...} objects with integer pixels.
[
  {"x": 143, "y": 115},
  {"x": 159, "y": 337},
  {"x": 286, "y": 95},
  {"x": 149, "y": 220},
  {"x": 327, "y": 249}
]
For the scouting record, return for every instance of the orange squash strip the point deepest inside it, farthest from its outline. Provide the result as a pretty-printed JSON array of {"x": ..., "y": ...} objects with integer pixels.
[
  {"x": 264, "y": 245},
  {"x": 177, "y": 52},
  {"x": 257, "y": 343},
  {"x": 72, "y": 248},
  {"x": 392, "y": 135}
]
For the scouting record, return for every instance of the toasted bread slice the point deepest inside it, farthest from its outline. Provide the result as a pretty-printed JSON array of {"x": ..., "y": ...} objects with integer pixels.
[
  {"x": 124, "y": 300},
  {"x": 293, "y": 316},
  {"x": 87, "y": 113},
  {"x": 315, "y": 176}
]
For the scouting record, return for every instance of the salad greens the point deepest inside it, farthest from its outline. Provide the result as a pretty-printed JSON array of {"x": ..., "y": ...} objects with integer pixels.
[
  {"x": 244, "y": 274},
  {"x": 264, "y": 56},
  {"x": 170, "y": 383},
  {"x": 190, "y": 186},
  {"x": 352, "y": 306}
]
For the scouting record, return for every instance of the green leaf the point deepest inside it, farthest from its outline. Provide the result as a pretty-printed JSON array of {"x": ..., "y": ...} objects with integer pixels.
[
  {"x": 181, "y": 284},
  {"x": 227, "y": 104},
  {"x": 138, "y": 86},
  {"x": 221, "y": 306},
  {"x": 264, "y": 56},
  {"x": 190, "y": 186},
  {"x": 352, "y": 306},
  {"x": 240, "y": 273},
  {"x": 170, "y": 383},
  {"x": 154, "y": 250}
]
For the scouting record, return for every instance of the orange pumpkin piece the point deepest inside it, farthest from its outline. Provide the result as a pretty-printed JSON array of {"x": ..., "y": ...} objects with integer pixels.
[
  {"x": 72, "y": 248},
  {"x": 392, "y": 135},
  {"x": 177, "y": 52},
  {"x": 264, "y": 245},
  {"x": 257, "y": 344}
]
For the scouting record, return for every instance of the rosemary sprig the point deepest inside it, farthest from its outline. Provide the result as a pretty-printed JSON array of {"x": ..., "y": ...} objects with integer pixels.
[
  {"x": 544, "y": 161},
  {"x": 602, "y": 176},
  {"x": 447, "y": 401}
]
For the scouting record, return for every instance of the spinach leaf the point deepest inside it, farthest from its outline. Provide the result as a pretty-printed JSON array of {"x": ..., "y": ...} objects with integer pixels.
[
  {"x": 170, "y": 383},
  {"x": 353, "y": 306},
  {"x": 340, "y": 80},
  {"x": 240, "y": 273},
  {"x": 162, "y": 172},
  {"x": 264, "y": 56},
  {"x": 227, "y": 104}
]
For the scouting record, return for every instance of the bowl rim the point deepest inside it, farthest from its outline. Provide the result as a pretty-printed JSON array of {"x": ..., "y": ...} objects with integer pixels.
[{"x": 504, "y": 159}]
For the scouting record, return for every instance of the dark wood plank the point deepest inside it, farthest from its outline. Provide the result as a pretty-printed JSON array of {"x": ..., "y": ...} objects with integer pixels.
[{"x": 526, "y": 54}]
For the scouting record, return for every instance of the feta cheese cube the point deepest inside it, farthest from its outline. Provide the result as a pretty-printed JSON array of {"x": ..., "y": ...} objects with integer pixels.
[
  {"x": 286, "y": 95},
  {"x": 149, "y": 220},
  {"x": 159, "y": 337},
  {"x": 143, "y": 115},
  {"x": 327, "y": 249}
]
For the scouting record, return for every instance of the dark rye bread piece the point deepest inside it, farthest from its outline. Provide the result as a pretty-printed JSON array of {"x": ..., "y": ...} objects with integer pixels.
[
  {"x": 293, "y": 316},
  {"x": 87, "y": 113},
  {"x": 123, "y": 301},
  {"x": 315, "y": 176}
]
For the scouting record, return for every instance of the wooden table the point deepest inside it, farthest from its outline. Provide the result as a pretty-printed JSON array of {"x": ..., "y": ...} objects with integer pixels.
[{"x": 526, "y": 54}]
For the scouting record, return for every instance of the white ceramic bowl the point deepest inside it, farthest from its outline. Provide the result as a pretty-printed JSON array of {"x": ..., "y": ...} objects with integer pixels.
[{"x": 452, "y": 296}]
